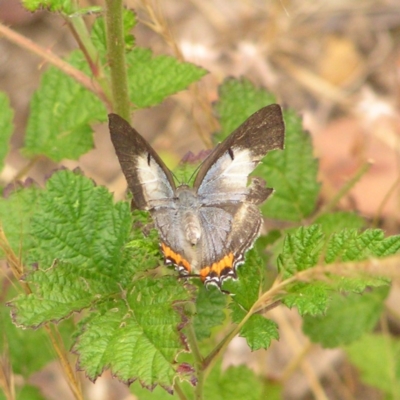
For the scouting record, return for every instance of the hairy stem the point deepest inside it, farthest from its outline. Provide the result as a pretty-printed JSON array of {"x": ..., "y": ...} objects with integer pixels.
[
  {"x": 198, "y": 360},
  {"x": 116, "y": 57},
  {"x": 179, "y": 391}
]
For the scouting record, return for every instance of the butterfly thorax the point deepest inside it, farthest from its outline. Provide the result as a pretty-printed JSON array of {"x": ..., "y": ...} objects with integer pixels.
[{"x": 188, "y": 206}]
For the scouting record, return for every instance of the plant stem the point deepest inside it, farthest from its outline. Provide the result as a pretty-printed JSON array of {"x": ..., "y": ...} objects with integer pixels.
[
  {"x": 18, "y": 270},
  {"x": 191, "y": 336},
  {"x": 384, "y": 201},
  {"x": 116, "y": 57},
  {"x": 198, "y": 360},
  {"x": 179, "y": 391},
  {"x": 66, "y": 365},
  {"x": 53, "y": 59},
  {"x": 259, "y": 305},
  {"x": 82, "y": 36}
]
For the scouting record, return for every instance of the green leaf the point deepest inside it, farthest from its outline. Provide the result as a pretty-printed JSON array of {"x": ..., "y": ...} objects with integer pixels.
[
  {"x": 28, "y": 392},
  {"x": 218, "y": 386},
  {"x": 80, "y": 233},
  {"x": 77, "y": 222},
  {"x": 64, "y": 6},
  {"x": 349, "y": 245},
  {"x": 247, "y": 287},
  {"x": 210, "y": 305},
  {"x": 78, "y": 225},
  {"x": 98, "y": 32},
  {"x": 308, "y": 298},
  {"x": 153, "y": 78},
  {"x": 388, "y": 246},
  {"x": 337, "y": 221},
  {"x": 272, "y": 390},
  {"x": 6, "y": 127},
  {"x": 60, "y": 290},
  {"x": 238, "y": 99},
  {"x": 61, "y": 114},
  {"x": 22, "y": 345},
  {"x": 292, "y": 173},
  {"x": 138, "y": 338},
  {"x": 15, "y": 217},
  {"x": 301, "y": 250},
  {"x": 347, "y": 318},
  {"x": 233, "y": 383},
  {"x": 377, "y": 357},
  {"x": 258, "y": 330},
  {"x": 67, "y": 7},
  {"x": 158, "y": 393}
]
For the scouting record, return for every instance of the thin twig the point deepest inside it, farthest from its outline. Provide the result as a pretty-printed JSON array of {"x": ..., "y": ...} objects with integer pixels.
[
  {"x": 345, "y": 189},
  {"x": 18, "y": 269},
  {"x": 53, "y": 59},
  {"x": 82, "y": 37},
  {"x": 388, "y": 195},
  {"x": 66, "y": 365},
  {"x": 387, "y": 266}
]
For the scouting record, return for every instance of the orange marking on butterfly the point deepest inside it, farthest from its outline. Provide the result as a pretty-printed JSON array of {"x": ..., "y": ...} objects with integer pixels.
[
  {"x": 175, "y": 257},
  {"x": 217, "y": 267}
]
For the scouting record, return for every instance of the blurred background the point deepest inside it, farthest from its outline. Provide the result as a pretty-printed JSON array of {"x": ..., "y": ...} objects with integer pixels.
[{"x": 336, "y": 62}]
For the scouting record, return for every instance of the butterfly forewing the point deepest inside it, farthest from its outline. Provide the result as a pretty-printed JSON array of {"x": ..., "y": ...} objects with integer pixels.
[
  {"x": 149, "y": 180},
  {"x": 225, "y": 171}
]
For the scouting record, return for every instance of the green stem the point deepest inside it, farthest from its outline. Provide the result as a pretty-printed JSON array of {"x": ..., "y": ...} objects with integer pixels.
[
  {"x": 212, "y": 358},
  {"x": 116, "y": 57},
  {"x": 198, "y": 393},
  {"x": 83, "y": 37},
  {"x": 198, "y": 361},
  {"x": 179, "y": 391},
  {"x": 191, "y": 336},
  {"x": 259, "y": 305}
]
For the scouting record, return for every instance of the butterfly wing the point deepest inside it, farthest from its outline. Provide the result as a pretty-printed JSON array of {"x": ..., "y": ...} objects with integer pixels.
[
  {"x": 224, "y": 173},
  {"x": 222, "y": 184},
  {"x": 152, "y": 187},
  {"x": 149, "y": 180}
]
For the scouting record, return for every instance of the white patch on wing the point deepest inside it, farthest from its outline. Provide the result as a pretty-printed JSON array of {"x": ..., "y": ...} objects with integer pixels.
[
  {"x": 153, "y": 180},
  {"x": 227, "y": 175},
  {"x": 241, "y": 165}
]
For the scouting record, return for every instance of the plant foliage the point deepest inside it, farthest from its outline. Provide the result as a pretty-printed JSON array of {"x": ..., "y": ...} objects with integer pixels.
[{"x": 75, "y": 251}]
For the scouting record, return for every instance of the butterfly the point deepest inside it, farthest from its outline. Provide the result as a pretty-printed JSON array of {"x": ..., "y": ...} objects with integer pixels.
[{"x": 204, "y": 230}]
